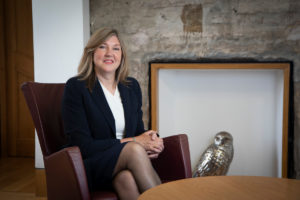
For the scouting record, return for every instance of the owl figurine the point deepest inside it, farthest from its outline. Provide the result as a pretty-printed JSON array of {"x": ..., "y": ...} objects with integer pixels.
[{"x": 216, "y": 159}]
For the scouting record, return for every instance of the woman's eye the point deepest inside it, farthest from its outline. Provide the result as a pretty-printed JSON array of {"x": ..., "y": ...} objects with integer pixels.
[
  {"x": 102, "y": 46},
  {"x": 117, "y": 49}
]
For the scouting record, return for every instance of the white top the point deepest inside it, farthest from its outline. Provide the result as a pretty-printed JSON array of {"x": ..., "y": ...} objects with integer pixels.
[{"x": 116, "y": 107}]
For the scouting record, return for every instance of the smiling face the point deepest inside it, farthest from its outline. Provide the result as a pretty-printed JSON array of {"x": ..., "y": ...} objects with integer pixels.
[{"x": 107, "y": 57}]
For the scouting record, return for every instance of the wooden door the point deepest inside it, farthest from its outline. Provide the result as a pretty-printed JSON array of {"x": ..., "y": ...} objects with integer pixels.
[{"x": 18, "y": 138}]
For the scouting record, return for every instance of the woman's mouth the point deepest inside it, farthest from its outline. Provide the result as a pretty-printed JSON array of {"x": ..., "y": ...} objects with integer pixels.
[{"x": 108, "y": 61}]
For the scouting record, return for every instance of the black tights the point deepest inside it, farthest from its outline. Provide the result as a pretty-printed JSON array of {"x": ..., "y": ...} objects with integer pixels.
[{"x": 134, "y": 173}]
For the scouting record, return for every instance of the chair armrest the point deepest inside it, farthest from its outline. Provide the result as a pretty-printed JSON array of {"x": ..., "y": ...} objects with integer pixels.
[
  {"x": 65, "y": 175},
  {"x": 174, "y": 162}
]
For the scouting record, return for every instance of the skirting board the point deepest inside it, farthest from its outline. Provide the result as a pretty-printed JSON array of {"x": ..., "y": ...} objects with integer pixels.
[{"x": 40, "y": 183}]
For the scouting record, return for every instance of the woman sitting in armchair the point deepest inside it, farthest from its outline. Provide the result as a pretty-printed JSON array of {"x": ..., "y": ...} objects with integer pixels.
[{"x": 102, "y": 115}]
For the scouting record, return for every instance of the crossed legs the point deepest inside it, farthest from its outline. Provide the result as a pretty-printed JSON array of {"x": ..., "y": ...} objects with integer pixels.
[
  {"x": 125, "y": 185},
  {"x": 134, "y": 173}
]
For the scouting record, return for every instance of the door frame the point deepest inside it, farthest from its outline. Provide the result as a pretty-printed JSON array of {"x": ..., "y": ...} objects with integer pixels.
[{"x": 3, "y": 73}]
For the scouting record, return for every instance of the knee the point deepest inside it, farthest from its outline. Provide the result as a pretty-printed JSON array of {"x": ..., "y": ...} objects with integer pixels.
[{"x": 135, "y": 149}]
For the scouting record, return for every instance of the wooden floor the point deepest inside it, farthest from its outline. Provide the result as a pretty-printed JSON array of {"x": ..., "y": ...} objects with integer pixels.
[{"x": 17, "y": 179}]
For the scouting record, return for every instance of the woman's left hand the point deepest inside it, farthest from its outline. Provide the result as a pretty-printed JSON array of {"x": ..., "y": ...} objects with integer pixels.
[
  {"x": 150, "y": 141},
  {"x": 158, "y": 147},
  {"x": 152, "y": 155}
]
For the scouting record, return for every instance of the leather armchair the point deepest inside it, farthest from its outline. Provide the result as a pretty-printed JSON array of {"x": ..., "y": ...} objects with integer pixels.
[{"x": 65, "y": 173}]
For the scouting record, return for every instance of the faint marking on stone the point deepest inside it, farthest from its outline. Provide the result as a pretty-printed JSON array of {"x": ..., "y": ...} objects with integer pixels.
[{"x": 191, "y": 18}]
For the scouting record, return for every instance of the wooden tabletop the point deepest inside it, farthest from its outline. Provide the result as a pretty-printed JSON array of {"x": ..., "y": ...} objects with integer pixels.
[{"x": 225, "y": 188}]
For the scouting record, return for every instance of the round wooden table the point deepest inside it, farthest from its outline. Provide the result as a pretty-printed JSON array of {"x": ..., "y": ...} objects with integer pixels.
[{"x": 225, "y": 188}]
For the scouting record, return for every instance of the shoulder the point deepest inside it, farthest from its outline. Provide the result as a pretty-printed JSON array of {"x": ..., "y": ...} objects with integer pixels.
[
  {"x": 133, "y": 83},
  {"x": 134, "y": 86},
  {"x": 75, "y": 86},
  {"x": 75, "y": 82}
]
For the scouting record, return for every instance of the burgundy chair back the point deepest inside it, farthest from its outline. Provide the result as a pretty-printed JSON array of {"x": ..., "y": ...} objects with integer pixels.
[
  {"x": 178, "y": 152},
  {"x": 47, "y": 119}
]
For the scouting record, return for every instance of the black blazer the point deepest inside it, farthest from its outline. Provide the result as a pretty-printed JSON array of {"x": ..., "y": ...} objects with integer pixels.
[{"x": 88, "y": 120}]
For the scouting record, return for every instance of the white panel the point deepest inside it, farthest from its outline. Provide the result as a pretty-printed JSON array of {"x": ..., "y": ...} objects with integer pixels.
[
  {"x": 60, "y": 32},
  {"x": 246, "y": 103}
]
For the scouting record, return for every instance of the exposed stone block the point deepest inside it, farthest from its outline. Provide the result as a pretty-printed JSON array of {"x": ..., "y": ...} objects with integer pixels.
[{"x": 263, "y": 30}]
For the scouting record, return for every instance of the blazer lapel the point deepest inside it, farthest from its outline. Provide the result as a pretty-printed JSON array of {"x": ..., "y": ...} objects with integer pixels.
[
  {"x": 101, "y": 102},
  {"x": 124, "y": 93}
]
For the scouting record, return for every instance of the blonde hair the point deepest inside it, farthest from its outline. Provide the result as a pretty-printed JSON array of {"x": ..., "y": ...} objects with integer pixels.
[{"x": 86, "y": 69}]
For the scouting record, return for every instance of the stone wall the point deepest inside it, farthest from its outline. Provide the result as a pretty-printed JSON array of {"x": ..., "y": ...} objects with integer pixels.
[{"x": 263, "y": 30}]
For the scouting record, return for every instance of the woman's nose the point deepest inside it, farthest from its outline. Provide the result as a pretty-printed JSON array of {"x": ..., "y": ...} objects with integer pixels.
[{"x": 108, "y": 52}]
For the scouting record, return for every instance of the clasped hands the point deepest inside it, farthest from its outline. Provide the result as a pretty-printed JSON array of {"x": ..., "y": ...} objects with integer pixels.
[{"x": 151, "y": 142}]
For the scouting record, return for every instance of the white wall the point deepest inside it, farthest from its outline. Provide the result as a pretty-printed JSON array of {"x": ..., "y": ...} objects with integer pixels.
[
  {"x": 60, "y": 32},
  {"x": 246, "y": 103}
]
